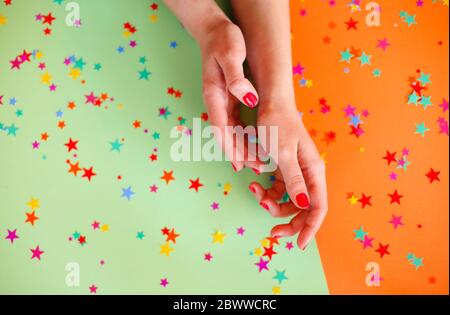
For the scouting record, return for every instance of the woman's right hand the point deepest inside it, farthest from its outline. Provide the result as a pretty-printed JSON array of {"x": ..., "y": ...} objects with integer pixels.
[{"x": 225, "y": 86}]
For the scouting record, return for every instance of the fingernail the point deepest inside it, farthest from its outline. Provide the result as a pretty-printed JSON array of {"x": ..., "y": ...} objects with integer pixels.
[
  {"x": 250, "y": 100},
  {"x": 252, "y": 189},
  {"x": 257, "y": 172},
  {"x": 304, "y": 248},
  {"x": 234, "y": 167},
  {"x": 264, "y": 205},
  {"x": 302, "y": 200}
]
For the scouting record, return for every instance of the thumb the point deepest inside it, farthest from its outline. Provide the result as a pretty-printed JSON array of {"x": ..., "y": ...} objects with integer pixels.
[
  {"x": 237, "y": 84},
  {"x": 294, "y": 180}
]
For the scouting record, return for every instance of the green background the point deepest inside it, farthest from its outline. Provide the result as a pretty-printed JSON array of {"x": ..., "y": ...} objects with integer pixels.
[{"x": 70, "y": 204}]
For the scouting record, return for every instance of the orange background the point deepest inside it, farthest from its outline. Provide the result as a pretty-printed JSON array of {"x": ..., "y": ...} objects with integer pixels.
[{"x": 356, "y": 165}]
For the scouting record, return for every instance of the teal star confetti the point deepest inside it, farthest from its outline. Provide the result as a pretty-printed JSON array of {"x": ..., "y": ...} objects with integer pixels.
[
  {"x": 346, "y": 55},
  {"x": 424, "y": 78},
  {"x": 413, "y": 98},
  {"x": 116, "y": 145},
  {"x": 79, "y": 64},
  {"x": 421, "y": 129},
  {"x": 377, "y": 73},
  {"x": 140, "y": 235},
  {"x": 409, "y": 19},
  {"x": 19, "y": 113},
  {"x": 359, "y": 234},
  {"x": 425, "y": 101},
  {"x": 156, "y": 135},
  {"x": 414, "y": 260},
  {"x": 365, "y": 59},
  {"x": 12, "y": 130},
  {"x": 417, "y": 262},
  {"x": 285, "y": 198},
  {"x": 144, "y": 74},
  {"x": 280, "y": 276}
]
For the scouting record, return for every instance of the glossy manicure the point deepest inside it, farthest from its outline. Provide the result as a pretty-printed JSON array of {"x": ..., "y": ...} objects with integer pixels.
[
  {"x": 264, "y": 205},
  {"x": 302, "y": 200},
  {"x": 250, "y": 100}
]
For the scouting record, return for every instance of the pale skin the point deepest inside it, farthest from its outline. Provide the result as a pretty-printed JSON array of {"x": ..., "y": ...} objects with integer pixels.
[{"x": 263, "y": 37}]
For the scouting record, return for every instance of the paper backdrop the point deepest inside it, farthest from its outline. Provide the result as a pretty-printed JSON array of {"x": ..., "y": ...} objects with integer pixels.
[{"x": 87, "y": 182}]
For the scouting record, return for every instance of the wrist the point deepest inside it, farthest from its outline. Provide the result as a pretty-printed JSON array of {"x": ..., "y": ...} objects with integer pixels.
[
  {"x": 277, "y": 98},
  {"x": 282, "y": 107}
]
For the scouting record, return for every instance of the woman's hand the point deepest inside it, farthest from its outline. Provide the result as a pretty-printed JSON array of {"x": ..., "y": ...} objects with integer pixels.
[
  {"x": 300, "y": 173},
  {"x": 225, "y": 86},
  {"x": 266, "y": 28}
]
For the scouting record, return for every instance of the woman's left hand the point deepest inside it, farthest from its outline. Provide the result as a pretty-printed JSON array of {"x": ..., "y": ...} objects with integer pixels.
[{"x": 300, "y": 173}]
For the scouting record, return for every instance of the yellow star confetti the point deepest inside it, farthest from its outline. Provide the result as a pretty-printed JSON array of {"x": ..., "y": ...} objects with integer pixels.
[
  {"x": 46, "y": 78},
  {"x": 74, "y": 73},
  {"x": 276, "y": 290},
  {"x": 265, "y": 243},
  {"x": 153, "y": 18},
  {"x": 166, "y": 249},
  {"x": 309, "y": 84},
  {"x": 353, "y": 200},
  {"x": 33, "y": 204},
  {"x": 3, "y": 20},
  {"x": 218, "y": 237},
  {"x": 227, "y": 187}
]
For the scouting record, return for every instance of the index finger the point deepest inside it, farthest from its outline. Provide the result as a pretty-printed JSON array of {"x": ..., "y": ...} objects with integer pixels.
[{"x": 317, "y": 186}]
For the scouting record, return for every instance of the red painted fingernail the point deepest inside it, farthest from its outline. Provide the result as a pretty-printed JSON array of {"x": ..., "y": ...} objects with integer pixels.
[
  {"x": 252, "y": 189},
  {"x": 257, "y": 172},
  {"x": 302, "y": 200},
  {"x": 250, "y": 100},
  {"x": 264, "y": 205},
  {"x": 234, "y": 167}
]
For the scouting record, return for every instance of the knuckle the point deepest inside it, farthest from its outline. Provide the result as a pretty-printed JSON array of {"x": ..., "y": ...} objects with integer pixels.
[
  {"x": 296, "y": 180},
  {"x": 233, "y": 54},
  {"x": 319, "y": 166},
  {"x": 207, "y": 95},
  {"x": 284, "y": 154},
  {"x": 275, "y": 215},
  {"x": 209, "y": 88}
]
